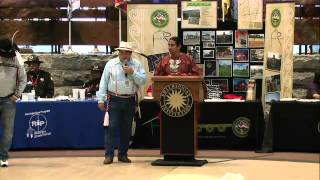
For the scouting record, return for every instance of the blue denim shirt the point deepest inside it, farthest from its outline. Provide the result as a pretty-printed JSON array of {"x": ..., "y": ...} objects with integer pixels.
[{"x": 114, "y": 80}]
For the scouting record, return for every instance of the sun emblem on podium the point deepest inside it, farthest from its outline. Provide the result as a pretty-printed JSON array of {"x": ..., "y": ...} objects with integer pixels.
[{"x": 176, "y": 100}]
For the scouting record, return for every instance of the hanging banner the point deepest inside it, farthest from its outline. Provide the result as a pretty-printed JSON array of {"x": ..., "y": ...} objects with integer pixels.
[
  {"x": 150, "y": 26},
  {"x": 199, "y": 14},
  {"x": 278, "y": 54},
  {"x": 250, "y": 14}
]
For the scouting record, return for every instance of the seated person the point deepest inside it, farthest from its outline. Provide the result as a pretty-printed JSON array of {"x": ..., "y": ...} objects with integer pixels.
[
  {"x": 37, "y": 79},
  {"x": 176, "y": 63},
  {"x": 314, "y": 87},
  {"x": 92, "y": 85}
]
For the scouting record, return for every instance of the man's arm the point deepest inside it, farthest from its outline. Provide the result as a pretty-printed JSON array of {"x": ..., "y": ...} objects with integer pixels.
[
  {"x": 139, "y": 75},
  {"x": 22, "y": 80},
  {"x": 103, "y": 86}
]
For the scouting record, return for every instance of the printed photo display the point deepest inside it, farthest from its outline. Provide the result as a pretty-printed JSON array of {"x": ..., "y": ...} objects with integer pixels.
[
  {"x": 241, "y": 39},
  {"x": 274, "y": 61},
  {"x": 256, "y": 55},
  {"x": 191, "y": 37},
  {"x": 194, "y": 52},
  {"x": 224, "y": 52},
  {"x": 224, "y": 68},
  {"x": 241, "y": 69},
  {"x": 210, "y": 68},
  {"x": 240, "y": 84},
  {"x": 241, "y": 55},
  {"x": 224, "y": 37},
  {"x": 222, "y": 83}
]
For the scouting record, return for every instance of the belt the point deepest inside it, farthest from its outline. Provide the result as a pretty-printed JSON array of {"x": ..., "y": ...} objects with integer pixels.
[{"x": 121, "y": 95}]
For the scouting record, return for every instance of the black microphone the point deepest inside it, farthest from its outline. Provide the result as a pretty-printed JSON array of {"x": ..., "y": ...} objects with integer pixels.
[{"x": 126, "y": 73}]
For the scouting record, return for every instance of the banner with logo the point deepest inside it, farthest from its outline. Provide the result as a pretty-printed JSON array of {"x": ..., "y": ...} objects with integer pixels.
[
  {"x": 278, "y": 53},
  {"x": 151, "y": 25},
  {"x": 200, "y": 14},
  {"x": 250, "y": 14}
]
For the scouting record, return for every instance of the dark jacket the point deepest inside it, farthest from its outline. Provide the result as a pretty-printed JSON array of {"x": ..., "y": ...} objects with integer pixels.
[{"x": 41, "y": 82}]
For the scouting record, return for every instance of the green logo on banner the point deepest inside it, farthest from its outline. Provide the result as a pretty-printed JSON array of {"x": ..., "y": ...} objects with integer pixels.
[
  {"x": 275, "y": 18},
  {"x": 241, "y": 127},
  {"x": 160, "y": 18}
]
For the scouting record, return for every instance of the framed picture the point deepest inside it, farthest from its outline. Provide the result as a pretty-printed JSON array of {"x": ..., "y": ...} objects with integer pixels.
[
  {"x": 255, "y": 40},
  {"x": 210, "y": 68},
  {"x": 191, "y": 37},
  {"x": 273, "y": 83},
  {"x": 256, "y": 71},
  {"x": 274, "y": 61},
  {"x": 224, "y": 68},
  {"x": 241, "y": 39},
  {"x": 199, "y": 15},
  {"x": 224, "y": 52},
  {"x": 241, "y": 69},
  {"x": 208, "y": 53},
  {"x": 273, "y": 87},
  {"x": 208, "y": 44},
  {"x": 194, "y": 52},
  {"x": 224, "y": 37},
  {"x": 241, "y": 55},
  {"x": 222, "y": 83},
  {"x": 208, "y": 36},
  {"x": 256, "y": 55},
  {"x": 240, "y": 84}
]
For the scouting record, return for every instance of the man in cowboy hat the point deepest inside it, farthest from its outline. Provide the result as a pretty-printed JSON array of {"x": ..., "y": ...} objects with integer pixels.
[
  {"x": 13, "y": 80},
  {"x": 120, "y": 81},
  {"x": 92, "y": 85},
  {"x": 38, "y": 80}
]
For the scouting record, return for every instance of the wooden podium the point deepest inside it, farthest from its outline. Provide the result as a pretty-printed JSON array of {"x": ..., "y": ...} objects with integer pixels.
[{"x": 179, "y": 98}]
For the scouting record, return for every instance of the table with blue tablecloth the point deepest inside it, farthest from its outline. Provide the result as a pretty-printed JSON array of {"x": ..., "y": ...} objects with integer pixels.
[{"x": 58, "y": 124}]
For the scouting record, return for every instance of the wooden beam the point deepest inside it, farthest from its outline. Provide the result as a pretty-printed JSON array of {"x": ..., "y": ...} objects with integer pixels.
[
  {"x": 52, "y": 3},
  {"x": 55, "y": 32},
  {"x": 25, "y": 13}
]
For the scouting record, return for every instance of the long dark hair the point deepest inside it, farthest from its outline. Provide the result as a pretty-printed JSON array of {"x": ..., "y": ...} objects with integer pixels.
[{"x": 176, "y": 40}]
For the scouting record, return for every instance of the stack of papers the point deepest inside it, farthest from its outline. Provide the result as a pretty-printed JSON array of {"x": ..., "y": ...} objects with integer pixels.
[
  {"x": 308, "y": 100},
  {"x": 223, "y": 100}
]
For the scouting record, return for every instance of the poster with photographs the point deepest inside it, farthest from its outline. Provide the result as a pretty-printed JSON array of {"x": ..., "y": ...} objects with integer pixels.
[
  {"x": 208, "y": 53},
  {"x": 191, "y": 37},
  {"x": 208, "y": 36},
  {"x": 241, "y": 55},
  {"x": 194, "y": 52},
  {"x": 199, "y": 14},
  {"x": 273, "y": 61},
  {"x": 224, "y": 37},
  {"x": 224, "y": 68},
  {"x": 241, "y": 69},
  {"x": 210, "y": 68},
  {"x": 256, "y": 71},
  {"x": 256, "y": 40},
  {"x": 208, "y": 44},
  {"x": 241, "y": 39},
  {"x": 256, "y": 55},
  {"x": 224, "y": 52},
  {"x": 273, "y": 87},
  {"x": 240, "y": 84},
  {"x": 222, "y": 83},
  {"x": 250, "y": 14}
]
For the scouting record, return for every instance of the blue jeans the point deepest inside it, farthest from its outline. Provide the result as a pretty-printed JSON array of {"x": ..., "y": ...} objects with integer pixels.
[
  {"x": 121, "y": 112},
  {"x": 7, "y": 115}
]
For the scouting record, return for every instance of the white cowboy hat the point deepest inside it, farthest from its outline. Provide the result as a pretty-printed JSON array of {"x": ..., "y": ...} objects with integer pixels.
[{"x": 126, "y": 46}]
